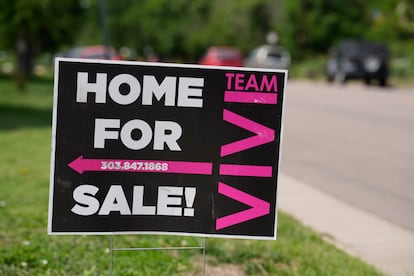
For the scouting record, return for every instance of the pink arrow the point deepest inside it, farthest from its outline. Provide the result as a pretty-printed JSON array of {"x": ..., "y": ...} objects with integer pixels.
[
  {"x": 259, "y": 207},
  {"x": 81, "y": 165}
]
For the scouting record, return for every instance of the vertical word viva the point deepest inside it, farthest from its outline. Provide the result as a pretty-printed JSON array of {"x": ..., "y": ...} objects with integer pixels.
[{"x": 246, "y": 89}]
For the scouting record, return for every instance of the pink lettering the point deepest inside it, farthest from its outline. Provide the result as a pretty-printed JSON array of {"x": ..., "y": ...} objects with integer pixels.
[
  {"x": 240, "y": 92},
  {"x": 236, "y": 82},
  {"x": 245, "y": 170},
  {"x": 252, "y": 83},
  {"x": 258, "y": 206},
  {"x": 229, "y": 80},
  {"x": 250, "y": 97},
  {"x": 239, "y": 82},
  {"x": 263, "y": 134},
  {"x": 267, "y": 85}
]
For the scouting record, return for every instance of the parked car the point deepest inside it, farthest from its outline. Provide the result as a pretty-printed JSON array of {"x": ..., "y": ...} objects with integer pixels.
[
  {"x": 93, "y": 52},
  {"x": 355, "y": 59},
  {"x": 268, "y": 56},
  {"x": 222, "y": 56}
]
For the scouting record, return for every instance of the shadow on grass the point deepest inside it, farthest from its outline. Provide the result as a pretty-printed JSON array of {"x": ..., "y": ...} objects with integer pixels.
[{"x": 15, "y": 117}]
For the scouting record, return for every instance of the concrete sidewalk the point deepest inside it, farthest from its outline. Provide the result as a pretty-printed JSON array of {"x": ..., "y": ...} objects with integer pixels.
[{"x": 378, "y": 242}]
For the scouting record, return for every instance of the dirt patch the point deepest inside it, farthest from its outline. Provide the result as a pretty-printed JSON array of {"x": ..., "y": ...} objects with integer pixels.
[
  {"x": 220, "y": 270},
  {"x": 224, "y": 270}
]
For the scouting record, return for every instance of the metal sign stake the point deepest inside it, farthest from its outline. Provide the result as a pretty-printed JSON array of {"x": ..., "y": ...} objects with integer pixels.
[{"x": 112, "y": 249}]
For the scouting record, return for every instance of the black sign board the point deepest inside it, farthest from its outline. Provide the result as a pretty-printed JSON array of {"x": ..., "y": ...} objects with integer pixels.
[{"x": 165, "y": 148}]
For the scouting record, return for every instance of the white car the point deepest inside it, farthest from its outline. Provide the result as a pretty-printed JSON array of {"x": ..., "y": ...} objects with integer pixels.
[{"x": 268, "y": 56}]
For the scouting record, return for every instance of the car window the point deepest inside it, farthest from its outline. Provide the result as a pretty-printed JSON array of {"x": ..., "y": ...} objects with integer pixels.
[
  {"x": 275, "y": 54},
  {"x": 228, "y": 54}
]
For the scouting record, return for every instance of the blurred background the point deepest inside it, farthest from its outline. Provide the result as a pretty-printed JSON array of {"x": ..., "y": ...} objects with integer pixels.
[
  {"x": 348, "y": 128},
  {"x": 33, "y": 32}
]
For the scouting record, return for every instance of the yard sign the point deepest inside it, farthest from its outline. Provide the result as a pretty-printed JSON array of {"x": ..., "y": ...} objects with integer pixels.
[{"x": 165, "y": 149}]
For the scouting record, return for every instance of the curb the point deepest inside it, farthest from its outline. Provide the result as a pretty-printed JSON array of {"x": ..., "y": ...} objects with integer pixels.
[{"x": 384, "y": 245}]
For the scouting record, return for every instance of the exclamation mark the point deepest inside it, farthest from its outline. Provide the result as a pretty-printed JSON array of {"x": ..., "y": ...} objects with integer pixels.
[{"x": 190, "y": 193}]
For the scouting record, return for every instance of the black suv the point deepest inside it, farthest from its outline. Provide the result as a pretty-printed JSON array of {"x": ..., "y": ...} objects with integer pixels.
[{"x": 354, "y": 59}]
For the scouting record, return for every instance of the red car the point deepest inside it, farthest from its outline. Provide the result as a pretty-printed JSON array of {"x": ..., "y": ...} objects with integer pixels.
[
  {"x": 93, "y": 52},
  {"x": 222, "y": 56}
]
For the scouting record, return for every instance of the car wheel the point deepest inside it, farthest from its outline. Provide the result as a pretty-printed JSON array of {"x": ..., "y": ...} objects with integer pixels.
[
  {"x": 340, "y": 77},
  {"x": 383, "y": 81}
]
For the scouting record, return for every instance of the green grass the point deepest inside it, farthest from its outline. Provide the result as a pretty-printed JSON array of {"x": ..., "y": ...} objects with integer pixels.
[{"x": 26, "y": 249}]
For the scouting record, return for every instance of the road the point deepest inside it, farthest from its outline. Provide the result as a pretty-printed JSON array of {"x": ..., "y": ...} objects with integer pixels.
[{"x": 355, "y": 143}]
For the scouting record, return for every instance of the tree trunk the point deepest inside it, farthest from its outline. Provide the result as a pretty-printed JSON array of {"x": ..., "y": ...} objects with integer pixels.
[{"x": 24, "y": 52}]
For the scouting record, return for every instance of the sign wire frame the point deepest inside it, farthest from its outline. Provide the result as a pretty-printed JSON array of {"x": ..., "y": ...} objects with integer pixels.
[{"x": 112, "y": 249}]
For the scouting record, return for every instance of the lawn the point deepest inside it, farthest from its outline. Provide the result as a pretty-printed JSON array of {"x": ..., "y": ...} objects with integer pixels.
[{"x": 26, "y": 249}]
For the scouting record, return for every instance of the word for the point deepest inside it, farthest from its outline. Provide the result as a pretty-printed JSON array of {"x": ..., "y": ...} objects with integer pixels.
[
  {"x": 125, "y": 89},
  {"x": 169, "y": 202},
  {"x": 166, "y": 133},
  {"x": 136, "y": 166},
  {"x": 245, "y": 82}
]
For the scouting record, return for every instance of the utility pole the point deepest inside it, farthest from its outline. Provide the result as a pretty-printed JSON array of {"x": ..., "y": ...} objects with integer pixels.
[
  {"x": 301, "y": 38},
  {"x": 104, "y": 26}
]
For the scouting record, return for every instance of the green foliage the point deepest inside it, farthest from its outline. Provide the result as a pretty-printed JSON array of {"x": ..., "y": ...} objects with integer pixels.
[
  {"x": 313, "y": 26},
  {"x": 297, "y": 251},
  {"x": 44, "y": 23},
  {"x": 320, "y": 23},
  {"x": 402, "y": 66},
  {"x": 183, "y": 29},
  {"x": 31, "y": 27},
  {"x": 26, "y": 249}
]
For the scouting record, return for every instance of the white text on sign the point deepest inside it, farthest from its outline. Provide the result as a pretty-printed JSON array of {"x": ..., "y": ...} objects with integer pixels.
[
  {"x": 180, "y": 92},
  {"x": 169, "y": 201}
]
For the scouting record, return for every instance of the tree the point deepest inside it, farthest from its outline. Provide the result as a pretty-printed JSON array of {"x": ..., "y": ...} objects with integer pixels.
[
  {"x": 312, "y": 26},
  {"x": 30, "y": 27},
  {"x": 184, "y": 29},
  {"x": 391, "y": 20},
  {"x": 316, "y": 24}
]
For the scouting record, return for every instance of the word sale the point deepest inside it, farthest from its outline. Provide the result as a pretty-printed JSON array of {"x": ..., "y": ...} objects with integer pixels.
[{"x": 169, "y": 201}]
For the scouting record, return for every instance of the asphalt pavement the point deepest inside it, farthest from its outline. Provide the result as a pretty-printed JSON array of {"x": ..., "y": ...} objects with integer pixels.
[
  {"x": 354, "y": 142},
  {"x": 347, "y": 168},
  {"x": 386, "y": 246}
]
